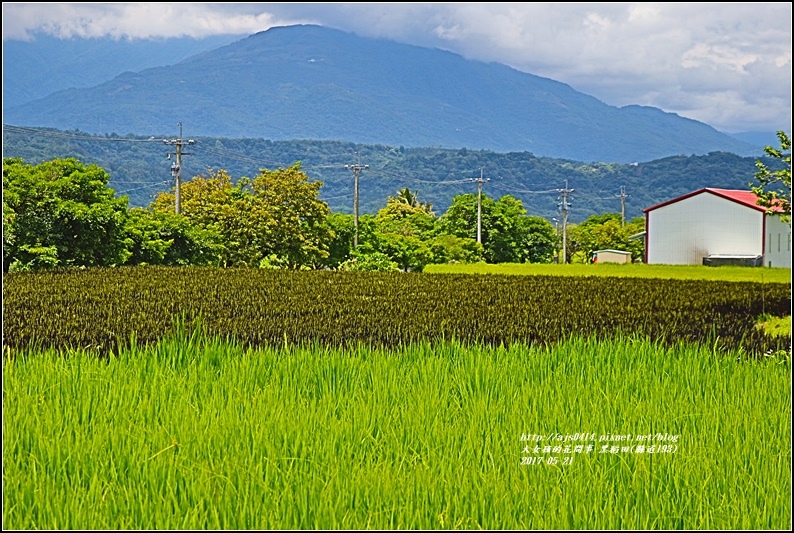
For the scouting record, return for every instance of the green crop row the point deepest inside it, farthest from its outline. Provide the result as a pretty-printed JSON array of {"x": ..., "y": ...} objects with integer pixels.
[
  {"x": 202, "y": 434},
  {"x": 104, "y": 308}
]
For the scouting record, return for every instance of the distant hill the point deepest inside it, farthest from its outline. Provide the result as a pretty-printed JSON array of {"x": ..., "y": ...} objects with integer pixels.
[
  {"x": 758, "y": 138},
  {"x": 139, "y": 169},
  {"x": 311, "y": 82},
  {"x": 34, "y": 69}
]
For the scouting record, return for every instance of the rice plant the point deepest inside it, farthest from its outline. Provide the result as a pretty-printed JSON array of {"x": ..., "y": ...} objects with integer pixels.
[
  {"x": 106, "y": 307},
  {"x": 199, "y": 432}
]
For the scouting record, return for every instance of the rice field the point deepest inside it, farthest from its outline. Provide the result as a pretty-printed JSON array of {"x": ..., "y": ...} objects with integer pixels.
[
  {"x": 639, "y": 270},
  {"x": 185, "y": 398},
  {"x": 105, "y": 308},
  {"x": 193, "y": 433}
]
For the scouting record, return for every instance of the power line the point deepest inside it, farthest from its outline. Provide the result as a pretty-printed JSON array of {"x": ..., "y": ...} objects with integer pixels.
[
  {"x": 564, "y": 205},
  {"x": 176, "y": 168},
  {"x": 60, "y": 135},
  {"x": 479, "y": 181},
  {"x": 239, "y": 157},
  {"x": 356, "y": 168},
  {"x": 337, "y": 197},
  {"x": 401, "y": 177},
  {"x": 622, "y": 197},
  {"x": 522, "y": 191},
  {"x": 180, "y": 144},
  {"x": 451, "y": 182},
  {"x": 149, "y": 186}
]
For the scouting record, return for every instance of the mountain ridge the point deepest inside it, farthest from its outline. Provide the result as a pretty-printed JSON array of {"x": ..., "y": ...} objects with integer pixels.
[{"x": 312, "y": 82}]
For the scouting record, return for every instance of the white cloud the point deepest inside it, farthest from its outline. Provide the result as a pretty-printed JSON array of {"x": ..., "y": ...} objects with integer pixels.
[
  {"x": 131, "y": 20},
  {"x": 726, "y": 64}
]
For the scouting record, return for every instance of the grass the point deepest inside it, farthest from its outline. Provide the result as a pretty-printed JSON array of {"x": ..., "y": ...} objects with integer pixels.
[
  {"x": 723, "y": 273},
  {"x": 195, "y": 433},
  {"x": 776, "y": 326}
]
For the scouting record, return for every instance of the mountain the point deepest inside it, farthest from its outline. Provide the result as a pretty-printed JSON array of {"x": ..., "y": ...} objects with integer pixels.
[
  {"x": 312, "y": 82},
  {"x": 758, "y": 138},
  {"x": 34, "y": 69}
]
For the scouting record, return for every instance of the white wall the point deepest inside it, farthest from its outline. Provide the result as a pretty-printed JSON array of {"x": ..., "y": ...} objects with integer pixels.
[
  {"x": 777, "y": 249},
  {"x": 686, "y": 231}
]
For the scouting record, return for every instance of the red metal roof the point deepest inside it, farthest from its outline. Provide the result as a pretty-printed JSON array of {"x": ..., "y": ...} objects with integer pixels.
[{"x": 736, "y": 195}]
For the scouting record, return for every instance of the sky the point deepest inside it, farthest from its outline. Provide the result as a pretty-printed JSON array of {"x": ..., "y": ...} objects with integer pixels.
[{"x": 725, "y": 64}]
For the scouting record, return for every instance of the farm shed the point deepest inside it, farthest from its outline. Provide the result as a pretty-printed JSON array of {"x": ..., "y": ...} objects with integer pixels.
[
  {"x": 612, "y": 256},
  {"x": 717, "y": 223}
]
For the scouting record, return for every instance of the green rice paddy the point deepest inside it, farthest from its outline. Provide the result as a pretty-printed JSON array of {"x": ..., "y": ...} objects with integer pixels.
[
  {"x": 723, "y": 273},
  {"x": 199, "y": 434},
  {"x": 192, "y": 399}
]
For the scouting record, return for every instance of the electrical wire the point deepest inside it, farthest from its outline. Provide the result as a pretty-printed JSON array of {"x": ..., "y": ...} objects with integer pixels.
[{"x": 61, "y": 135}]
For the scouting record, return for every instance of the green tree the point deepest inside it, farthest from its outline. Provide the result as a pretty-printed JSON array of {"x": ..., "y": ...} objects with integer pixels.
[
  {"x": 410, "y": 199},
  {"x": 277, "y": 216},
  {"x": 408, "y": 251},
  {"x": 400, "y": 210},
  {"x": 579, "y": 243},
  {"x": 341, "y": 230},
  {"x": 295, "y": 225},
  {"x": 61, "y": 213},
  {"x": 604, "y": 232},
  {"x": 157, "y": 238},
  {"x": 507, "y": 238},
  {"x": 405, "y": 215},
  {"x": 773, "y": 188},
  {"x": 461, "y": 217},
  {"x": 508, "y": 233},
  {"x": 635, "y": 246},
  {"x": 402, "y": 231},
  {"x": 539, "y": 240},
  {"x": 415, "y": 223},
  {"x": 217, "y": 205},
  {"x": 452, "y": 249},
  {"x": 9, "y": 224},
  {"x": 369, "y": 262}
]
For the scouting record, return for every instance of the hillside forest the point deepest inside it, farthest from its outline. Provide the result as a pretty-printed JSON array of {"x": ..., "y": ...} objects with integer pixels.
[{"x": 140, "y": 169}]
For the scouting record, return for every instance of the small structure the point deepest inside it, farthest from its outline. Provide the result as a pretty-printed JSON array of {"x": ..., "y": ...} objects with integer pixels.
[
  {"x": 716, "y": 226},
  {"x": 611, "y": 256},
  {"x": 734, "y": 260}
]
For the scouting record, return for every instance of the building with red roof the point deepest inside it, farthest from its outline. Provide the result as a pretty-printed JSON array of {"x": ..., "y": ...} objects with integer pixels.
[{"x": 712, "y": 224}]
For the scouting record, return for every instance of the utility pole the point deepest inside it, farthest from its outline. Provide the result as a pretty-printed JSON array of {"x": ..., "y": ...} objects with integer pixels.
[
  {"x": 176, "y": 167},
  {"x": 356, "y": 168},
  {"x": 622, "y": 197},
  {"x": 479, "y": 181},
  {"x": 564, "y": 205}
]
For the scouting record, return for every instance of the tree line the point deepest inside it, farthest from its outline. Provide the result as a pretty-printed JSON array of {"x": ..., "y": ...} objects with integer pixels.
[{"x": 62, "y": 213}]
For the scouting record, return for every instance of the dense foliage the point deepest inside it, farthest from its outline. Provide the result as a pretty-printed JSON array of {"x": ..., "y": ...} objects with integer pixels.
[
  {"x": 106, "y": 307},
  {"x": 61, "y": 213},
  {"x": 605, "y": 232},
  {"x": 276, "y": 215}
]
